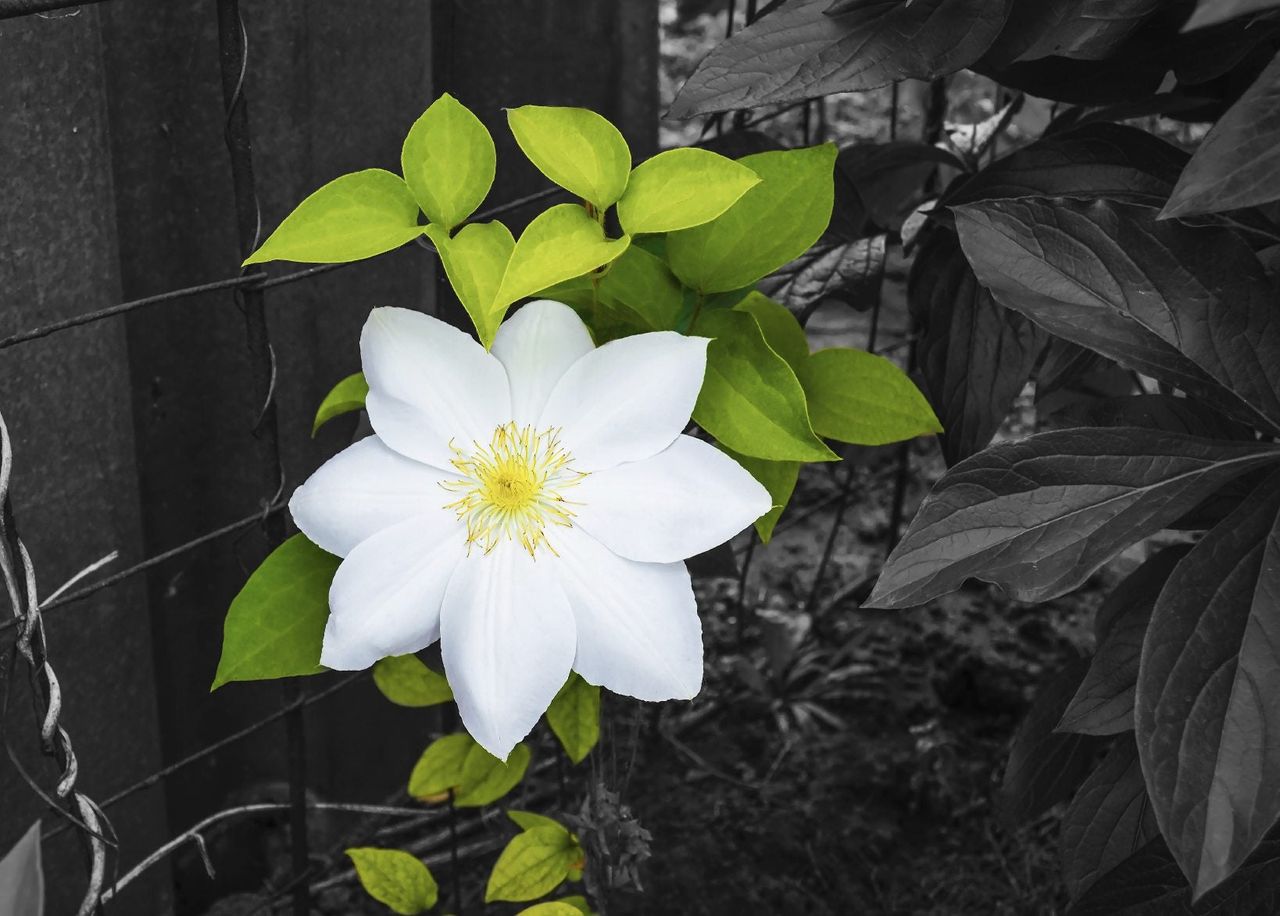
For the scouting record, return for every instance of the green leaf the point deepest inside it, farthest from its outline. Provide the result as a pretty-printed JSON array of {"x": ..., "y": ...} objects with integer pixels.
[
  {"x": 1207, "y": 728},
  {"x": 644, "y": 288},
  {"x": 576, "y": 293},
  {"x": 22, "y": 885},
  {"x": 1098, "y": 273},
  {"x": 440, "y": 768},
  {"x": 578, "y": 902},
  {"x": 534, "y": 863},
  {"x": 275, "y": 626},
  {"x": 857, "y": 397},
  {"x": 810, "y": 48},
  {"x": 352, "y": 217},
  {"x": 561, "y": 243},
  {"x": 781, "y": 330},
  {"x": 396, "y": 878},
  {"x": 682, "y": 188},
  {"x": 751, "y": 401},
  {"x": 778, "y": 477},
  {"x": 527, "y": 820},
  {"x": 475, "y": 260},
  {"x": 346, "y": 396},
  {"x": 576, "y": 148},
  {"x": 1103, "y": 703},
  {"x": 1235, "y": 165},
  {"x": 1109, "y": 817},
  {"x": 553, "y": 908},
  {"x": 448, "y": 160},
  {"x": 574, "y": 717},
  {"x": 1039, "y": 516},
  {"x": 772, "y": 224},
  {"x": 406, "y": 681},
  {"x": 1045, "y": 766},
  {"x": 485, "y": 778}
]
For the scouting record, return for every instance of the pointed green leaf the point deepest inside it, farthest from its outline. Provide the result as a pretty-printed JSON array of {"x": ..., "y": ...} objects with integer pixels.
[
  {"x": 577, "y": 293},
  {"x": 22, "y": 889},
  {"x": 810, "y": 48},
  {"x": 406, "y": 681},
  {"x": 395, "y": 878},
  {"x": 680, "y": 189},
  {"x": 1237, "y": 165},
  {"x": 1207, "y": 726},
  {"x": 346, "y": 396},
  {"x": 772, "y": 224},
  {"x": 781, "y": 330},
  {"x": 440, "y": 768},
  {"x": 1103, "y": 703},
  {"x": 1216, "y": 12},
  {"x": 576, "y": 148},
  {"x": 857, "y": 397},
  {"x": 275, "y": 626},
  {"x": 642, "y": 286},
  {"x": 778, "y": 477},
  {"x": 1041, "y": 515},
  {"x": 552, "y": 908},
  {"x": 527, "y": 820},
  {"x": 1045, "y": 766},
  {"x": 352, "y": 217},
  {"x": 533, "y": 864},
  {"x": 561, "y": 243},
  {"x": 1108, "y": 819},
  {"x": 574, "y": 717},
  {"x": 751, "y": 400},
  {"x": 1189, "y": 305},
  {"x": 485, "y": 778},
  {"x": 577, "y": 901},
  {"x": 475, "y": 260},
  {"x": 448, "y": 160}
]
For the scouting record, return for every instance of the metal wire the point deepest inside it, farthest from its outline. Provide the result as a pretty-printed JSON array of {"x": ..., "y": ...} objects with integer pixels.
[
  {"x": 20, "y": 583},
  {"x": 120, "y": 575},
  {"x": 12, "y": 9},
  {"x": 155, "y": 778},
  {"x": 256, "y": 280}
]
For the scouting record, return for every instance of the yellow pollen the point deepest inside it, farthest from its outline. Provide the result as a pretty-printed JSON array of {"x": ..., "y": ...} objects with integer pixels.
[{"x": 513, "y": 487}]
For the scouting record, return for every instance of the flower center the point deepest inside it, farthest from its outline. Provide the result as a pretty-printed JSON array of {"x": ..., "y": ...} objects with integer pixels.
[{"x": 513, "y": 487}]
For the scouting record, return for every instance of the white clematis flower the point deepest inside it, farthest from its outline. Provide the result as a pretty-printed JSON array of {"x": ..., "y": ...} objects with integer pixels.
[{"x": 529, "y": 507}]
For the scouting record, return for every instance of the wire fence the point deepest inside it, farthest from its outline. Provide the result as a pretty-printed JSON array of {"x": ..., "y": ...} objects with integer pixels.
[{"x": 78, "y": 812}]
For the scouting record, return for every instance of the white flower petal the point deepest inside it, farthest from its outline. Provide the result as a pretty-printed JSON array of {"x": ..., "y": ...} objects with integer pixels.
[
  {"x": 683, "y": 501},
  {"x": 628, "y": 399},
  {"x": 507, "y": 638},
  {"x": 638, "y": 627},
  {"x": 362, "y": 490},
  {"x": 385, "y": 599},
  {"x": 536, "y": 346},
  {"x": 429, "y": 384}
]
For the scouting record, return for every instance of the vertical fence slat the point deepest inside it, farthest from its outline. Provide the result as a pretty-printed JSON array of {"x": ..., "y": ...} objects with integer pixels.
[
  {"x": 234, "y": 47},
  {"x": 66, "y": 401}
]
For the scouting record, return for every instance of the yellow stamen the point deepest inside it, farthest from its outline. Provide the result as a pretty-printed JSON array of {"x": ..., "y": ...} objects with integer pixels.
[{"x": 513, "y": 487}]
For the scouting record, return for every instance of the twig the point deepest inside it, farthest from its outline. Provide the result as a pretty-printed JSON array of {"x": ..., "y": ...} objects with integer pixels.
[{"x": 195, "y": 834}]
